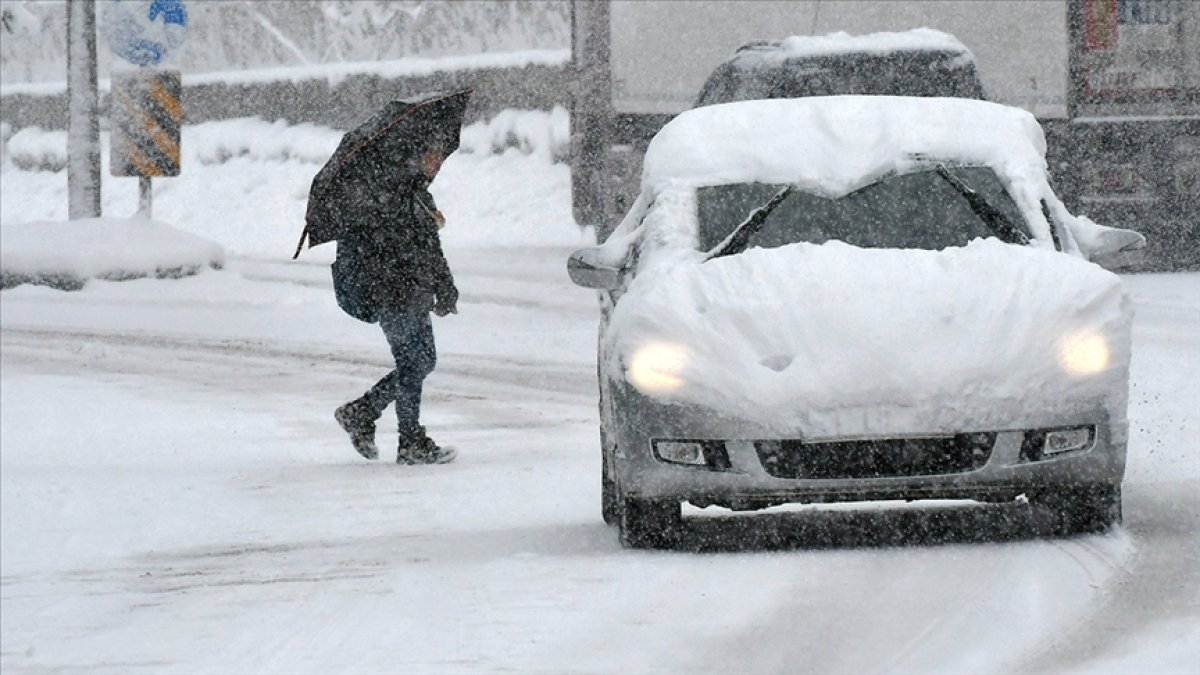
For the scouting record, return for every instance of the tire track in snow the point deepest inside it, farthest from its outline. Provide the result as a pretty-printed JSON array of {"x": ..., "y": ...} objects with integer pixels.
[
  {"x": 1164, "y": 523},
  {"x": 489, "y": 391},
  {"x": 553, "y": 378}
]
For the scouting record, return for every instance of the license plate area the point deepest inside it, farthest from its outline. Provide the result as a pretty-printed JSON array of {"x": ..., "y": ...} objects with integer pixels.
[{"x": 875, "y": 458}]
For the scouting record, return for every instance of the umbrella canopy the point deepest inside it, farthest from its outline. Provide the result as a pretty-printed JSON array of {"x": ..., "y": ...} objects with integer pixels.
[{"x": 379, "y": 155}]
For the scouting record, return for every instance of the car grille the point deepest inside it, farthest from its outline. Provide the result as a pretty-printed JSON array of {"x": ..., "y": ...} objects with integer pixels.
[{"x": 876, "y": 458}]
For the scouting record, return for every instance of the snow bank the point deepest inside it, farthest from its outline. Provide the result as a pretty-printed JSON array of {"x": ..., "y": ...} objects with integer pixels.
[
  {"x": 256, "y": 139},
  {"x": 533, "y": 132},
  {"x": 333, "y": 73},
  {"x": 35, "y": 149},
  {"x": 918, "y": 39},
  {"x": 65, "y": 254},
  {"x": 834, "y": 340},
  {"x": 245, "y": 183}
]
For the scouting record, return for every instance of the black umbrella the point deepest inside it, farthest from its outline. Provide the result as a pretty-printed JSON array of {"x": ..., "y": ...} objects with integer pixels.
[{"x": 378, "y": 155}]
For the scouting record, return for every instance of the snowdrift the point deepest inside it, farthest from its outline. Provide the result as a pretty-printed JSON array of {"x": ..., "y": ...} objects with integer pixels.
[
  {"x": 245, "y": 184},
  {"x": 67, "y": 254}
]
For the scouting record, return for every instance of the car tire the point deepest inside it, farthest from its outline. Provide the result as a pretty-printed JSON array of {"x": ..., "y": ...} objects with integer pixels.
[
  {"x": 1081, "y": 510},
  {"x": 646, "y": 523},
  {"x": 610, "y": 504}
]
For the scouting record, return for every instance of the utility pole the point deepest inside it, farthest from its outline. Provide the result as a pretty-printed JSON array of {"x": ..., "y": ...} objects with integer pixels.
[{"x": 83, "y": 122}]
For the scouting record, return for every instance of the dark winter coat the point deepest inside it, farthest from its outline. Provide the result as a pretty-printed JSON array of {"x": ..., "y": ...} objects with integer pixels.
[{"x": 395, "y": 261}]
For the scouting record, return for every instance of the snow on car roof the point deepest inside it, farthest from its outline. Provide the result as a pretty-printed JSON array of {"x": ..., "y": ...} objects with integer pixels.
[
  {"x": 833, "y": 145},
  {"x": 918, "y": 39}
]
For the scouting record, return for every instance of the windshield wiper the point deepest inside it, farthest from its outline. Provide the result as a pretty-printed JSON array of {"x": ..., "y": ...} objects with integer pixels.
[
  {"x": 737, "y": 240},
  {"x": 993, "y": 217}
]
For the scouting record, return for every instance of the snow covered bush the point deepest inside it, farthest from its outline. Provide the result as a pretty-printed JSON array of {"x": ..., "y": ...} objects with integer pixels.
[
  {"x": 35, "y": 149},
  {"x": 532, "y": 132},
  {"x": 244, "y": 183},
  {"x": 212, "y": 143}
]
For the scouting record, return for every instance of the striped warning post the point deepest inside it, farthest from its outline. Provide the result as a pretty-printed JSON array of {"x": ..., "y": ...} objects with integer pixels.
[{"x": 146, "y": 115}]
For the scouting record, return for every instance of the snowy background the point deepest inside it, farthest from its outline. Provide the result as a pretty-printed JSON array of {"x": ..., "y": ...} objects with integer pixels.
[
  {"x": 176, "y": 497},
  {"x": 237, "y": 35}
]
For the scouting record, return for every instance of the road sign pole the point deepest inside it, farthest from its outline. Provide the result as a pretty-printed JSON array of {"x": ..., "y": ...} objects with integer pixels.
[
  {"x": 145, "y": 197},
  {"x": 146, "y": 111},
  {"x": 83, "y": 120},
  {"x": 147, "y": 117}
]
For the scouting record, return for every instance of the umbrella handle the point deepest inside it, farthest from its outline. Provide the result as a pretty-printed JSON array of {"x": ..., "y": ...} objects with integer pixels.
[{"x": 300, "y": 244}]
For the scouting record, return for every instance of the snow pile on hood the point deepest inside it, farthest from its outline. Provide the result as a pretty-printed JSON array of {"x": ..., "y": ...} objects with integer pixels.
[
  {"x": 833, "y": 145},
  {"x": 918, "y": 39},
  {"x": 834, "y": 340},
  {"x": 108, "y": 248}
]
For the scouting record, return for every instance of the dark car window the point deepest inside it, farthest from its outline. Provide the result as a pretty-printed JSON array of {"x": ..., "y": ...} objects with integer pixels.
[
  {"x": 914, "y": 210},
  {"x": 925, "y": 73}
]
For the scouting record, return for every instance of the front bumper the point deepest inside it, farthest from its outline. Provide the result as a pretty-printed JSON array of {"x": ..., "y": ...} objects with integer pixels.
[{"x": 745, "y": 481}]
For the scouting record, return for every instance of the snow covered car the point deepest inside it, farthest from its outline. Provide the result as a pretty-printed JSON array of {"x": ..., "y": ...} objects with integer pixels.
[{"x": 856, "y": 298}]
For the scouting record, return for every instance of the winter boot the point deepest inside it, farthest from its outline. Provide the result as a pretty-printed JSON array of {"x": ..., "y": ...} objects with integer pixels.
[
  {"x": 358, "y": 420},
  {"x": 417, "y": 448}
]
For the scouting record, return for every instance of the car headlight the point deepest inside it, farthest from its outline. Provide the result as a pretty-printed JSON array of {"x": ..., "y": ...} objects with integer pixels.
[
  {"x": 1083, "y": 353},
  {"x": 657, "y": 367}
]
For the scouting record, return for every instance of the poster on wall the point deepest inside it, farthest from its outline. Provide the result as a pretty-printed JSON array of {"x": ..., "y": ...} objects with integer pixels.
[{"x": 1141, "y": 48}]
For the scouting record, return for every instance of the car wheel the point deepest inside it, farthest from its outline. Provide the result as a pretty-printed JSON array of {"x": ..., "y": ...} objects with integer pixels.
[
  {"x": 1081, "y": 510},
  {"x": 646, "y": 523},
  {"x": 610, "y": 505}
]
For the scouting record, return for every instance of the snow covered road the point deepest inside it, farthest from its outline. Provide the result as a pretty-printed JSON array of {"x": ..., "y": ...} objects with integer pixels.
[{"x": 177, "y": 498}]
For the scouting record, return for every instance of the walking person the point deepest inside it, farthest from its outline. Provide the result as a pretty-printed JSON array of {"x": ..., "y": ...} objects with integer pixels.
[
  {"x": 373, "y": 199},
  {"x": 400, "y": 261}
]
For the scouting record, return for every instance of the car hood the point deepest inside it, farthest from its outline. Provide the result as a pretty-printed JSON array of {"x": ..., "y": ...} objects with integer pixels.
[{"x": 834, "y": 340}]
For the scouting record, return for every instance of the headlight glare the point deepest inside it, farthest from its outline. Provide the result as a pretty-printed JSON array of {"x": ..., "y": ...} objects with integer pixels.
[
  {"x": 657, "y": 367},
  {"x": 1083, "y": 353}
]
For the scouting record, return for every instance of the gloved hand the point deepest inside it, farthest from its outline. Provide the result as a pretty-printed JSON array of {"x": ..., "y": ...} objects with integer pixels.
[{"x": 446, "y": 302}]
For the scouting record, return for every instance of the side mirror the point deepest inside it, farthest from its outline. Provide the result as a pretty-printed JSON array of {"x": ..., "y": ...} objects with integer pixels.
[
  {"x": 587, "y": 269},
  {"x": 1119, "y": 250}
]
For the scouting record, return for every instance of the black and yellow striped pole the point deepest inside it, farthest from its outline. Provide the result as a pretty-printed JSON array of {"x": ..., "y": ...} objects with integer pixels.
[{"x": 147, "y": 115}]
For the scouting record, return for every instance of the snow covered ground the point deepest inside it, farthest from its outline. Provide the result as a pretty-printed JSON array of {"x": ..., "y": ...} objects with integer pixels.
[{"x": 175, "y": 496}]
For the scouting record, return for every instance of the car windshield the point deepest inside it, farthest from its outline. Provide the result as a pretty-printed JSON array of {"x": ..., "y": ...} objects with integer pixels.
[
  {"x": 915, "y": 210},
  {"x": 896, "y": 74}
]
